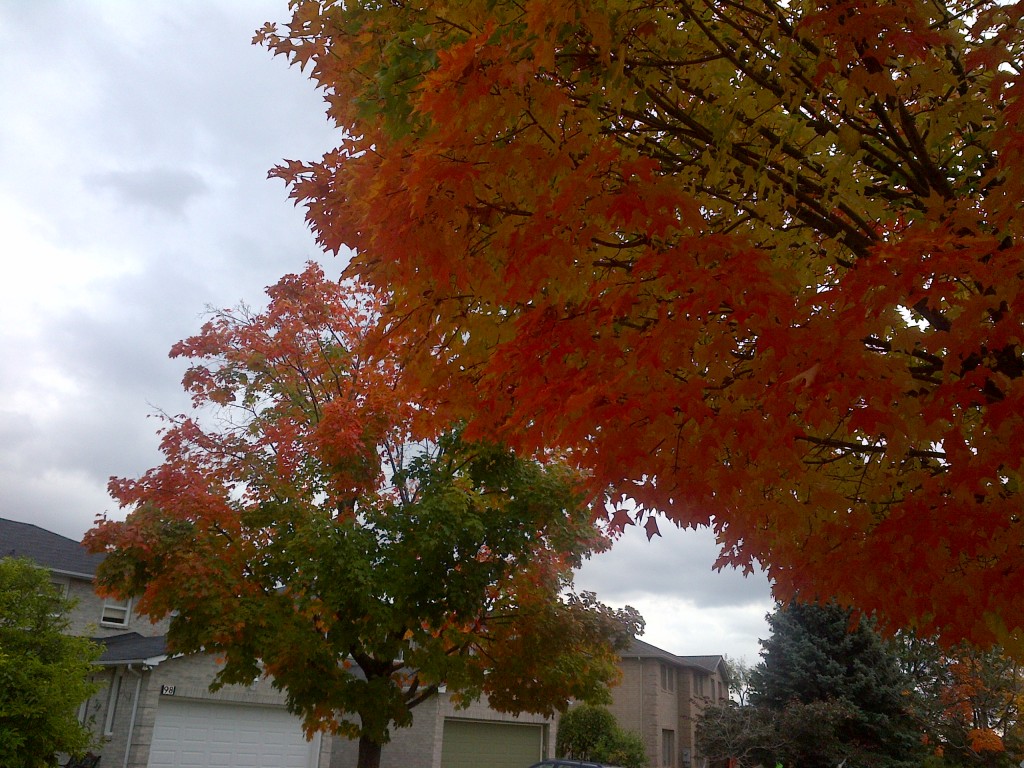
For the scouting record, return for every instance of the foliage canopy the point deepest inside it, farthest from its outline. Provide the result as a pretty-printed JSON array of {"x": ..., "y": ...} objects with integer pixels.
[
  {"x": 778, "y": 245},
  {"x": 967, "y": 702},
  {"x": 297, "y": 530}
]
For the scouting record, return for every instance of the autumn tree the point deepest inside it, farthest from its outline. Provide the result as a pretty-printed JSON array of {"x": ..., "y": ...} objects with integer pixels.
[
  {"x": 967, "y": 702},
  {"x": 44, "y": 672},
  {"x": 297, "y": 529},
  {"x": 757, "y": 265}
]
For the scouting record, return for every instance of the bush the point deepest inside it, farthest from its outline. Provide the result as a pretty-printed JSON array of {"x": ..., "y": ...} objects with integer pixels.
[{"x": 591, "y": 733}]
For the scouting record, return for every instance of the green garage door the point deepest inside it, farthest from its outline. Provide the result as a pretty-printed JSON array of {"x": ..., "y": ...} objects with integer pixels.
[{"x": 476, "y": 744}]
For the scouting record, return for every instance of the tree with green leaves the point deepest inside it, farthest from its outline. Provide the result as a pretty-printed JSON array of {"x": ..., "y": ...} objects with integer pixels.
[
  {"x": 739, "y": 679},
  {"x": 837, "y": 689},
  {"x": 588, "y": 732},
  {"x": 305, "y": 526},
  {"x": 44, "y": 672}
]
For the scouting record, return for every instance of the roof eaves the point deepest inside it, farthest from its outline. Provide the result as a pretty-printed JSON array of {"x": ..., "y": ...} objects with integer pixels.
[
  {"x": 86, "y": 576},
  {"x": 152, "y": 661}
]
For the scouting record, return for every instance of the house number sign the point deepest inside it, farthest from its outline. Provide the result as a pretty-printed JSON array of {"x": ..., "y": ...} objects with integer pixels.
[{"x": 166, "y": 690}]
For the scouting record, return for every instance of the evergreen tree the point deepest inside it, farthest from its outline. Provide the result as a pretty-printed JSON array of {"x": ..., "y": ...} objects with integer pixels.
[{"x": 820, "y": 659}]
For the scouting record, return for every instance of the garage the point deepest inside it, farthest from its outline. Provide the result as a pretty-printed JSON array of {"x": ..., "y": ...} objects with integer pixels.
[
  {"x": 204, "y": 734},
  {"x": 471, "y": 744}
]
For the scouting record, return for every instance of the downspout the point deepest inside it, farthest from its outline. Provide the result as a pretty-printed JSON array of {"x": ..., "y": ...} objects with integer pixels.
[{"x": 135, "y": 709}]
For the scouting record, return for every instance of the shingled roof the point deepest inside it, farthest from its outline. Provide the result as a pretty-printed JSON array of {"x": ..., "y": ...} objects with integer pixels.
[
  {"x": 50, "y": 550},
  {"x": 132, "y": 648},
  {"x": 640, "y": 649}
]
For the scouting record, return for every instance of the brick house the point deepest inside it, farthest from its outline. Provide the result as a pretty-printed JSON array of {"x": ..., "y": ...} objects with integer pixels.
[
  {"x": 155, "y": 709},
  {"x": 661, "y": 697}
]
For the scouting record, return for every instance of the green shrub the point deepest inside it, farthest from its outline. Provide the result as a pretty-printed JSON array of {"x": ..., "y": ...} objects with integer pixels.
[{"x": 591, "y": 733}]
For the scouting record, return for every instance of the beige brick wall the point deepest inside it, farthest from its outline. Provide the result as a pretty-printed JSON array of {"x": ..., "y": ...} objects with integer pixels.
[
  {"x": 626, "y": 697},
  {"x": 641, "y": 704},
  {"x": 420, "y": 745},
  {"x": 692, "y": 704},
  {"x": 413, "y": 746}
]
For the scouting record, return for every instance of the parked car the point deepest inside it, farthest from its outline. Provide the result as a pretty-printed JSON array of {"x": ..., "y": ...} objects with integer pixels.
[{"x": 560, "y": 763}]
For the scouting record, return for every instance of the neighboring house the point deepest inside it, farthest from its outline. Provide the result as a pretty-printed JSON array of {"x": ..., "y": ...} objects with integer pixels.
[{"x": 661, "y": 697}]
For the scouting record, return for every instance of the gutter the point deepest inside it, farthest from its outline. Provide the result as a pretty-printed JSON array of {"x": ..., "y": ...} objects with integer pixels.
[
  {"x": 90, "y": 577},
  {"x": 152, "y": 661}
]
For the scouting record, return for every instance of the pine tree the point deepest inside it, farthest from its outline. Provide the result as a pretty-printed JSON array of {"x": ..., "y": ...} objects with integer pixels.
[{"x": 837, "y": 687}]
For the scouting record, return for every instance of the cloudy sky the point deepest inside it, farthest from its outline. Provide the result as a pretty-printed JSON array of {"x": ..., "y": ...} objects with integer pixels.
[{"x": 135, "y": 138}]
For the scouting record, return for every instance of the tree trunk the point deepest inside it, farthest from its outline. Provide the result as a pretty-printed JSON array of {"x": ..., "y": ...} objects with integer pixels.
[{"x": 369, "y": 753}]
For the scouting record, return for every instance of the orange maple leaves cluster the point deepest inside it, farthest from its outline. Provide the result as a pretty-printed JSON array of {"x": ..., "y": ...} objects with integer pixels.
[{"x": 630, "y": 233}]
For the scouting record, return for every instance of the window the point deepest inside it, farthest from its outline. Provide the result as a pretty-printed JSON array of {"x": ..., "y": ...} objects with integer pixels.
[
  {"x": 116, "y": 612},
  {"x": 112, "y": 696},
  {"x": 61, "y": 585},
  {"x": 668, "y": 678},
  {"x": 668, "y": 749},
  {"x": 700, "y": 682}
]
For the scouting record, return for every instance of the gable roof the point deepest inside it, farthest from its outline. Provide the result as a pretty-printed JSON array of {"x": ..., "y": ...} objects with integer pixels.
[
  {"x": 50, "y": 550},
  {"x": 709, "y": 663},
  {"x": 638, "y": 649}
]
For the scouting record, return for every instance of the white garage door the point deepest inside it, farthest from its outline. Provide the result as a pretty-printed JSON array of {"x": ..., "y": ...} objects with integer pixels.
[{"x": 200, "y": 734}]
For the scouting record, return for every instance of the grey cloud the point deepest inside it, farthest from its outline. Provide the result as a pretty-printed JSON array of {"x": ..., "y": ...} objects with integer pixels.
[
  {"x": 679, "y": 563},
  {"x": 165, "y": 189}
]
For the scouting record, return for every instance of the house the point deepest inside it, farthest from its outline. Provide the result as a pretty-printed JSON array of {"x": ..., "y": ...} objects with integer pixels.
[
  {"x": 662, "y": 695},
  {"x": 442, "y": 736},
  {"x": 155, "y": 708}
]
